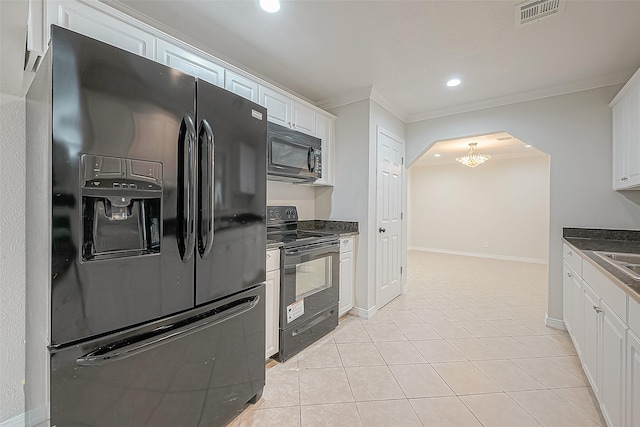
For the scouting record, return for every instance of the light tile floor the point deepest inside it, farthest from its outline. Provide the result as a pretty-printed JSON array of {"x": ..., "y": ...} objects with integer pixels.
[{"x": 465, "y": 346}]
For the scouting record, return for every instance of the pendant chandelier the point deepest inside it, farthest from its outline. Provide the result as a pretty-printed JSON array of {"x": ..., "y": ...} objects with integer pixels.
[{"x": 473, "y": 158}]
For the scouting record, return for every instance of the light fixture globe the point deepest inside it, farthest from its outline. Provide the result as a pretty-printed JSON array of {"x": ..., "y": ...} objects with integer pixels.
[
  {"x": 473, "y": 158},
  {"x": 271, "y": 6}
]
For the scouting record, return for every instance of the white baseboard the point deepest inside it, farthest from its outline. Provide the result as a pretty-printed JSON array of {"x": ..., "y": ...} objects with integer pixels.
[
  {"x": 17, "y": 421},
  {"x": 554, "y": 323},
  {"x": 363, "y": 312},
  {"x": 479, "y": 255}
]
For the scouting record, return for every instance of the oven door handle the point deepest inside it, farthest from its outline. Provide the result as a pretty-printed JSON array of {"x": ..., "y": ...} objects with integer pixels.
[{"x": 320, "y": 248}]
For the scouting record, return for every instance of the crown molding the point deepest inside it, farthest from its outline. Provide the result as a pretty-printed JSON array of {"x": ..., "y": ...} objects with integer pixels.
[
  {"x": 613, "y": 79},
  {"x": 346, "y": 99},
  {"x": 388, "y": 105}
]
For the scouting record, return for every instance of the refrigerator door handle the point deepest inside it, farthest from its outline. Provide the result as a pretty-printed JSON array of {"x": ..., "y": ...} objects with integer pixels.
[
  {"x": 125, "y": 348},
  {"x": 206, "y": 230},
  {"x": 187, "y": 173}
]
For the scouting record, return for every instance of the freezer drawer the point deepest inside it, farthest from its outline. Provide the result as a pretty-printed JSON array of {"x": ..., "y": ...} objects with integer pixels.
[{"x": 195, "y": 369}]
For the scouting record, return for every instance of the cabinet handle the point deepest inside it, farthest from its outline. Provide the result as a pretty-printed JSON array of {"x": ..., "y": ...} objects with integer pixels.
[
  {"x": 345, "y": 242},
  {"x": 569, "y": 253},
  {"x": 268, "y": 255},
  {"x": 624, "y": 178},
  {"x": 597, "y": 309},
  {"x": 569, "y": 274}
]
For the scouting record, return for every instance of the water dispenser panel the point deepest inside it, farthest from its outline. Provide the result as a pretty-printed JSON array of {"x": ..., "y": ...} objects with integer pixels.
[{"x": 121, "y": 207}]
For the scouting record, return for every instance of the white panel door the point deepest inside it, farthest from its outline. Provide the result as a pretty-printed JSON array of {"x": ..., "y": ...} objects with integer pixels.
[
  {"x": 242, "y": 86},
  {"x": 633, "y": 379},
  {"x": 278, "y": 106},
  {"x": 390, "y": 169},
  {"x": 190, "y": 63},
  {"x": 100, "y": 26},
  {"x": 612, "y": 362}
]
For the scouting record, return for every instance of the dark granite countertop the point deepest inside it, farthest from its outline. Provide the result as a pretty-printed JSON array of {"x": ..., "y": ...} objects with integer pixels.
[
  {"x": 588, "y": 240},
  {"x": 343, "y": 228}
]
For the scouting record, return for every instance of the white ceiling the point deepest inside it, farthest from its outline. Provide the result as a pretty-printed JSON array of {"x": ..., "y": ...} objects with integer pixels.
[
  {"x": 498, "y": 145},
  {"x": 332, "y": 52}
]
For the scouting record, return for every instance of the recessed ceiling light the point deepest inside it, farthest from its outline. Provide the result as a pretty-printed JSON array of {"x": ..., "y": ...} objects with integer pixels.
[
  {"x": 436, "y": 155},
  {"x": 527, "y": 146},
  {"x": 271, "y": 6},
  {"x": 454, "y": 82}
]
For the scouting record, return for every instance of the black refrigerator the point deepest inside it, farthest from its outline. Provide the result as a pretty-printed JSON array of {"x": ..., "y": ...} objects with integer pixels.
[{"x": 157, "y": 233}]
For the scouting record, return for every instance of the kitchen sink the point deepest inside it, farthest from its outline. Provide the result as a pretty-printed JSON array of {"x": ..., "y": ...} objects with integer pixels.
[{"x": 627, "y": 263}]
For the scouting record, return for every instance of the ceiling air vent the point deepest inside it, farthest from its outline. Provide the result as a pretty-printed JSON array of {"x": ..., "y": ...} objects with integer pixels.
[{"x": 536, "y": 9}]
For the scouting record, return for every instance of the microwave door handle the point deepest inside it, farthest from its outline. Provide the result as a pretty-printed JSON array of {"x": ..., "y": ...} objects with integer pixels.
[
  {"x": 205, "y": 134},
  {"x": 187, "y": 168},
  {"x": 311, "y": 159}
]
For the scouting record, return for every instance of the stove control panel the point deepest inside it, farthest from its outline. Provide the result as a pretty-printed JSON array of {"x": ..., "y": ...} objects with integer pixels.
[{"x": 281, "y": 214}]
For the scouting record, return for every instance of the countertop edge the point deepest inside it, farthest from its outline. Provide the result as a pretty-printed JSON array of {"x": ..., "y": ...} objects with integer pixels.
[{"x": 608, "y": 270}]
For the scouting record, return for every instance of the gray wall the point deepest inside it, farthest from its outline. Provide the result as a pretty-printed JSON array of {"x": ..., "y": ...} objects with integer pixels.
[{"x": 575, "y": 130}]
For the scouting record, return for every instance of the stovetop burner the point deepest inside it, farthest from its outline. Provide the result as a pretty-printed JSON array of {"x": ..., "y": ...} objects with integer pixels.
[{"x": 282, "y": 226}]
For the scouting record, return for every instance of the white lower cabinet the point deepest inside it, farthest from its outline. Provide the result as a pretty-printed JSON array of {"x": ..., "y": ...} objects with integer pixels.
[
  {"x": 612, "y": 364},
  {"x": 272, "y": 300},
  {"x": 608, "y": 349},
  {"x": 347, "y": 268},
  {"x": 572, "y": 305},
  {"x": 633, "y": 379}
]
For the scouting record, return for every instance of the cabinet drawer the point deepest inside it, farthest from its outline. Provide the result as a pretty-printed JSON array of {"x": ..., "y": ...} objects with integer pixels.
[
  {"x": 634, "y": 316},
  {"x": 575, "y": 261},
  {"x": 610, "y": 293},
  {"x": 273, "y": 259},
  {"x": 346, "y": 244}
]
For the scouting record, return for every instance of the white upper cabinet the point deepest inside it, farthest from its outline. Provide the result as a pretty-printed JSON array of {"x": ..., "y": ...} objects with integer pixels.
[
  {"x": 626, "y": 135},
  {"x": 303, "y": 118},
  {"x": 241, "y": 85},
  {"x": 278, "y": 106},
  {"x": 190, "y": 63},
  {"x": 101, "y": 26},
  {"x": 285, "y": 111},
  {"x": 325, "y": 131}
]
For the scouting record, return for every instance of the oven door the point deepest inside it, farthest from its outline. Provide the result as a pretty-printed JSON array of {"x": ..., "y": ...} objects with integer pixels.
[{"x": 311, "y": 282}]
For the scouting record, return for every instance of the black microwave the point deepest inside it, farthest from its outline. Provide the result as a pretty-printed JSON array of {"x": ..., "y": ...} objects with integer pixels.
[{"x": 292, "y": 155}]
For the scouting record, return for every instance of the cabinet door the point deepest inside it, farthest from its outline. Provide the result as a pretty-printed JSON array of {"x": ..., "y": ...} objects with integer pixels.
[
  {"x": 324, "y": 131},
  {"x": 272, "y": 299},
  {"x": 591, "y": 324},
  {"x": 242, "y": 86},
  {"x": 612, "y": 363},
  {"x": 633, "y": 137},
  {"x": 278, "y": 106},
  {"x": 347, "y": 267},
  {"x": 620, "y": 134},
  {"x": 190, "y": 63},
  {"x": 346, "y": 282},
  {"x": 572, "y": 306},
  {"x": 101, "y": 26},
  {"x": 303, "y": 118},
  {"x": 633, "y": 379}
]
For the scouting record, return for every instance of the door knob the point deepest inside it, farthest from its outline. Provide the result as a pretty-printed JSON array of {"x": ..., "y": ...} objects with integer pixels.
[{"x": 382, "y": 230}]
